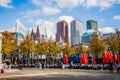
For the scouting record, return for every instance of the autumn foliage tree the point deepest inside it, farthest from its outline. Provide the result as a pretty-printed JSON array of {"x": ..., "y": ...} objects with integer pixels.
[
  {"x": 114, "y": 43},
  {"x": 67, "y": 49},
  {"x": 96, "y": 46},
  {"x": 8, "y": 43},
  {"x": 80, "y": 49},
  {"x": 27, "y": 46}
]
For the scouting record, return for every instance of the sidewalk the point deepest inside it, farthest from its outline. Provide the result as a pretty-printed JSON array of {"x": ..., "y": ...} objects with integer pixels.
[
  {"x": 35, "y": 72},
  {"x": 26, "y": 73}
]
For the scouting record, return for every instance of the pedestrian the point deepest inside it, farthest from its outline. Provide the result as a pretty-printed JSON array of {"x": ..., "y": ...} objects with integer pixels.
[
  {"x": 117, "y": 66},
  {"x": 71, "y": 65},
  {"x": 110, "y": 66},
  {"x": 40, "y": 65}
]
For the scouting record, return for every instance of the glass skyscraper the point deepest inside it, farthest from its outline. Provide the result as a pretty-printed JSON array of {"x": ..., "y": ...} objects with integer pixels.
[
  {"x": 92, "y": 28},
  {"x": 76, "y": 32},
  {"x": 91, "y": 24}
]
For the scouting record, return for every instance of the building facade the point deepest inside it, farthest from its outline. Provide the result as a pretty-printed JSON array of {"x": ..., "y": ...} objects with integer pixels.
[
  {"x": 91, "y": 24},
  {"x": 92, "y": 28},
  {"x": 62, "y": 31},
  {"x": 76, "y": 32}
]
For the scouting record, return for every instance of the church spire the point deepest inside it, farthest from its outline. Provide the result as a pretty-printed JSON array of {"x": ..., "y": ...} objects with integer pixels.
[
  {"x": 37, "y": 34},
  {"x": 32, "y": 34}
]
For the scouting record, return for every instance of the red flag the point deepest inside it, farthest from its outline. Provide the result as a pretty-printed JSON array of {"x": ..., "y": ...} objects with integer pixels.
[
  {"x": 93, "y": 60},
  {"x": 110, "y": 57},
  {"x": 65, "y": 59},
  {"x": 105, "y": 58},
  {"x": 118, "y": 58},
  {"x": 81, "y": 59},
  {"x": 85, "y": 59}
]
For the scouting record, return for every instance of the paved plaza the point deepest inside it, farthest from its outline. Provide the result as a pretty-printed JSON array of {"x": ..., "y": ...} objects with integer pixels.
[{"x": 59, "y": 74}]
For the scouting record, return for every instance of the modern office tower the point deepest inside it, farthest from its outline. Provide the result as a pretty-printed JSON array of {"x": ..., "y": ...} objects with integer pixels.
[
  {"x": 92, "y": 28},
  {"x": 91, "y": 24},
  {"x": 76, "y": 32},
  {"x": 62, "y": 31}
]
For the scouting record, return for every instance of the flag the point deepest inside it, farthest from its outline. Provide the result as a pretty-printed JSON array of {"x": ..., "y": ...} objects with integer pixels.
[{"x": 65, "y": 59}]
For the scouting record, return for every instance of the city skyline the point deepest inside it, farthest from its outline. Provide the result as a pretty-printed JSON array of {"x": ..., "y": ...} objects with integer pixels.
[{"x": 46, "y": 13}]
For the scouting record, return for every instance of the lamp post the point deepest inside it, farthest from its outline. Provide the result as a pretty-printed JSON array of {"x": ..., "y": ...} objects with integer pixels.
[{"x": 0, "y": 51}]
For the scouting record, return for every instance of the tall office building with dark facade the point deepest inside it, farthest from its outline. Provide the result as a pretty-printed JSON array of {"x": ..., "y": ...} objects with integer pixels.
[
  {"x": 62, "y": 31},
  {"x": 91, "y": 24}
]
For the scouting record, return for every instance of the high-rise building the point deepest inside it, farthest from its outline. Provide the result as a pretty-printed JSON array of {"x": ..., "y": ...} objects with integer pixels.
[
  {"x": 91, "y": 24},
  {"x": 76, "y": 32},
  {"x": 92, "y": 28},
  {"x": 62, "y": 31}
]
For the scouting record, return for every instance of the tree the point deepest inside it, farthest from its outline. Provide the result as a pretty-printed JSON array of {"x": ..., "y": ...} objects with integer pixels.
[
  {"x": 68, "y": 50},
  {"x": 8, "y": 43},
  {"x": 53, "y": 50},
  {"x": 113, "y": 44},
  {"x": 27, "y": 47},
  {"x": 96, "y": 46},
  {"x": 118, "y": 42},
  {"x": 41, "y": 47},
  {"x": 80, "y": 49}
]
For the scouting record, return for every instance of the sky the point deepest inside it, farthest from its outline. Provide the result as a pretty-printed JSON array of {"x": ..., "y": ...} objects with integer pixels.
[{"x": 46, "y": 13}]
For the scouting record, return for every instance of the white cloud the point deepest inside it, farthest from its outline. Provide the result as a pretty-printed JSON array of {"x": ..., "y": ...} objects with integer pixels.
[
  {"x": 91, "y": 3},
  {"x": 107, "y": 30},
  {"x": 118, "y": 1},
  {"x": 68, "y": 19},
  {"x": 50, "y": 10},
  {"x": 106, "y": 4},
  {"x": 68, "y": 3},
  {"x": 117, "y": 17},
  {"x": 103, "y": 4},
  {"x": 6, "y": 3},
  {"x": 43, "y": 2},
  {"x": 47, "y": 11},
  {"x": 36, "y": 2},
  {"x": 31, "y": 13}
]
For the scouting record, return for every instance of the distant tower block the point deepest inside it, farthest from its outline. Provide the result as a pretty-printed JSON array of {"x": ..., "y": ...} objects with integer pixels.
[{"x": 62, "y": 30}]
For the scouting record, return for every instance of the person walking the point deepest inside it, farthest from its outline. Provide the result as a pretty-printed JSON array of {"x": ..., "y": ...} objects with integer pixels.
[
  {"x": 110, "y": 66},
  {"x": 117, "y": 66}
]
